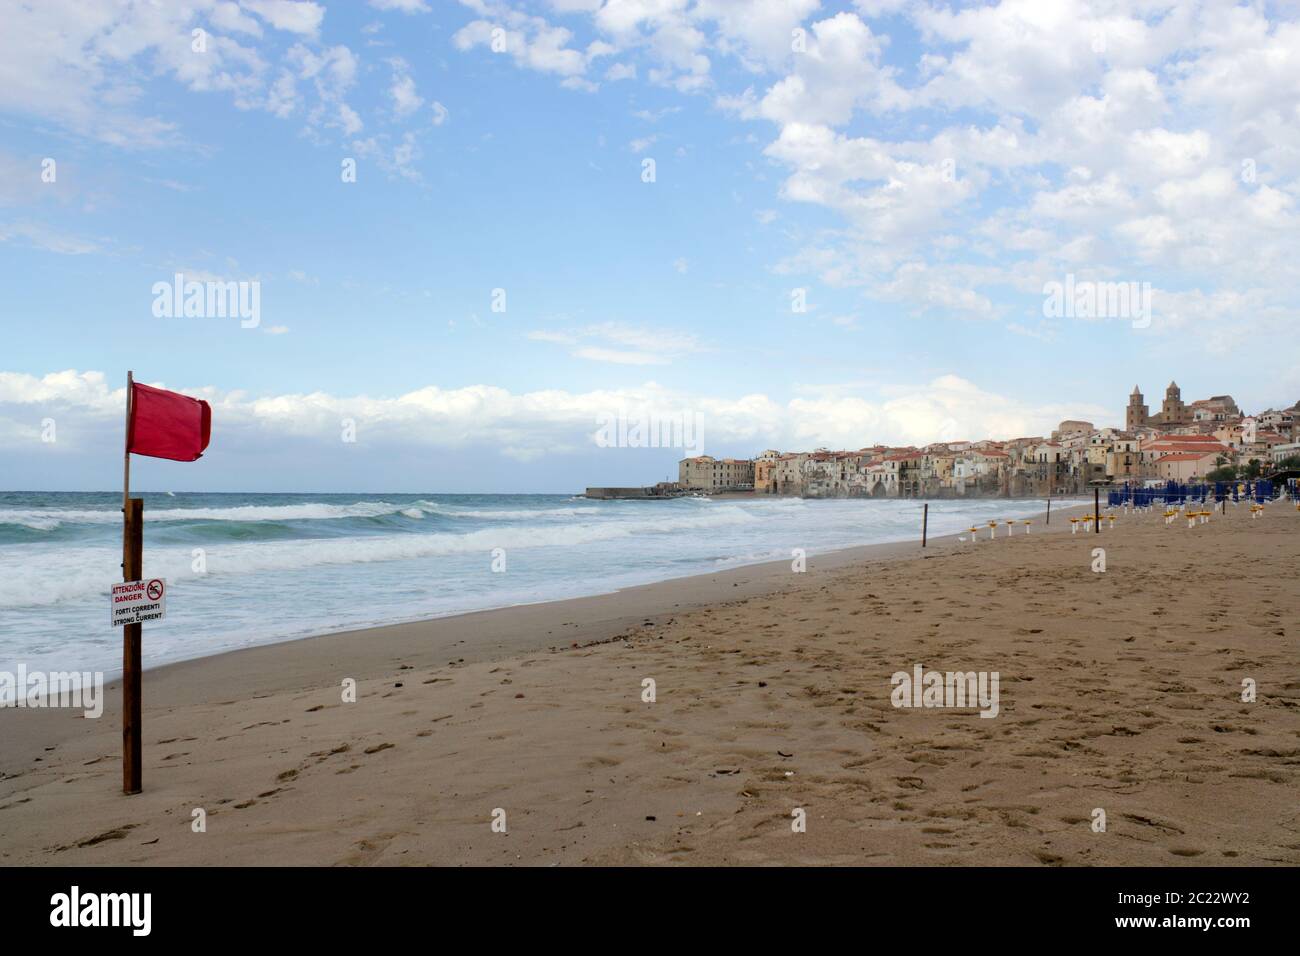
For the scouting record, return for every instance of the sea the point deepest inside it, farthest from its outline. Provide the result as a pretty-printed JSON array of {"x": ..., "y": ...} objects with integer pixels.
[{"x": 250, "y": 569}]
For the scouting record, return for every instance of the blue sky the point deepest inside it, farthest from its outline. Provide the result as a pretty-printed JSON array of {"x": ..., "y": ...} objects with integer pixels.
[{"x": 920, "y": 170}]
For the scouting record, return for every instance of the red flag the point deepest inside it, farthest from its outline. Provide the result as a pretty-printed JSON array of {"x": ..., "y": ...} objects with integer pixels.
[{"x": 167, "y": 425}]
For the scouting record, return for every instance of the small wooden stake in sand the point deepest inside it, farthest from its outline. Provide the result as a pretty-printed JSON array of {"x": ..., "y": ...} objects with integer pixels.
[{"x": 925, "y": 522}]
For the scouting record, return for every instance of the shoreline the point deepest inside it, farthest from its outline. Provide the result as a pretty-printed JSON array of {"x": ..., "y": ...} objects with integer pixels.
[
  {"x": 472, "y": 637},
  {"x": 323, "y": 628},
  {"x": 765, "y": 496},
  {"x": 641, "y": 595}
]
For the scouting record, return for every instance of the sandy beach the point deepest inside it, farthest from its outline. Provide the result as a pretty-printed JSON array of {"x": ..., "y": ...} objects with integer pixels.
[{"x": 1119, "y": 691}]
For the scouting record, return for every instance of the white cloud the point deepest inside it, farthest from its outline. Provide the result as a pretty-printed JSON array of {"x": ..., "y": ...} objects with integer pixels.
[
  {"x": 619, "y": 356},
  {"x": 622, "y": 344},
  {"x": 405, "y": 6},
  {"x": 332, "y": 72},
  {"x": 871, "y": 9},
  {"x": 1105, "y": 137},
  {"x": 530, "y": 41},
  {"x": 654, "y": 116},
  {"x": 89, "y": 67},
  {"x": 295, "y": 16},
  {"x": 534, "y": 424},
  {"x": 402, "y": 89},
  {"x": 840, "y": 72},
  {"x": 1025, "y": 57},
  {"x": 40, "y": 236},
  {"x": 917, "y": 414},
  {"x": 759, "y": 32},
  {"x": 922, "y": 288},
  {"x": 395, "y": 157},
  {"x": 903, "y": 198},
  {"x": 348, "y": 120},
  {"x": 228, "y": 16}
]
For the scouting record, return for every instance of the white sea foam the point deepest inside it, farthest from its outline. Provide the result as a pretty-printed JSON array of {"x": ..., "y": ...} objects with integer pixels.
[
  {"x": 47, "y": 520},
  {"x": 301, "y": 512},
  {"x": 454, "y": 511},
  {"x": 36, "y": 520},
  {"x": 32, "y": 579}
]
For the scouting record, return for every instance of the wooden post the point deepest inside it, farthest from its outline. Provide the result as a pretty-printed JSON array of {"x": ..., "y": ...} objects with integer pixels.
[
  {"x": 126, "y": 466},
  {"x": 132, "y": 570},
  {"x": 1049, "y": 512},
  {"x": 1096, "y": 507},
  {"x": 925, "y": 522}
]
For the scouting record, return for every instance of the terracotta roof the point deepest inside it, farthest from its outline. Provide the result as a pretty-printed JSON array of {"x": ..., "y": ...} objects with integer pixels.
[
  {"x": 1181, "y": 456},
  {"x": 1215, "y": 449}
]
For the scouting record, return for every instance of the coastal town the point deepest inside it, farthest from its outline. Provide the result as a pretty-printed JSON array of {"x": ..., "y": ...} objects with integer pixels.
[{"x": 1205, "y": 440}]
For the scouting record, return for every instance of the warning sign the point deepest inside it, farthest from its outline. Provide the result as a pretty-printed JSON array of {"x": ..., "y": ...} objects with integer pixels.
[{"x": 135, "y": 602}]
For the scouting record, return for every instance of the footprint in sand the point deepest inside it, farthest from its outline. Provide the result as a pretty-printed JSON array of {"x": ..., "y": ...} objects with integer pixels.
[{"x": 117, "y": 833}]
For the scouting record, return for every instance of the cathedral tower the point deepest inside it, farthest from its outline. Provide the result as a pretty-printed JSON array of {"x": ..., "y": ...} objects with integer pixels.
[
  {"x": 1173, "y": 412},
  {"x": 1137, "y": 414}
]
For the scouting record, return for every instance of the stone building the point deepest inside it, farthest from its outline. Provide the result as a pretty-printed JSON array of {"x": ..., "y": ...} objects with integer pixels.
[
  {"x": 764, "y": 471},
  {"x": 706, "y": 473},
  {"x": 1173, "y": 413}
]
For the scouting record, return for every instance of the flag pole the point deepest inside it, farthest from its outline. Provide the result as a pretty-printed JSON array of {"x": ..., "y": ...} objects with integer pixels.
[
  {"x": 132, "y": 570},
  {"x": 126, "y": 451}
]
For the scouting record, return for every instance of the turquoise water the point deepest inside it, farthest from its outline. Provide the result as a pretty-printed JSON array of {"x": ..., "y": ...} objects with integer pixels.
[{"x": 253, "y": 569}]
